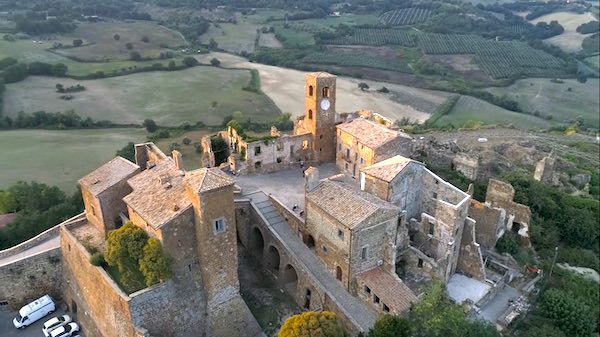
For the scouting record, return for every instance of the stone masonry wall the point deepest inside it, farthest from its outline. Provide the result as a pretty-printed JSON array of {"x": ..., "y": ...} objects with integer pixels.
[
  {"x": 101, "y": 306},
  {"x": 470, "y": 261},
  {"x": 490, "y": 223},
  {"x": 296, "y": 223},
  {"x": 25, "y": 280}
]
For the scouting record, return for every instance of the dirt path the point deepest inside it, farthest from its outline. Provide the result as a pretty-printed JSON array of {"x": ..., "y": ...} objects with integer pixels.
[{"x": 286, "y": 87}]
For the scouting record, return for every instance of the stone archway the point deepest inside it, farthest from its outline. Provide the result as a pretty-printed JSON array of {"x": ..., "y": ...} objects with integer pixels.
[
  {"x": 257, "y": 242},
  {"x": 273, "y": 259},
  {"x": 338, "y": 273},
  {"x": 290, "y": 279}
]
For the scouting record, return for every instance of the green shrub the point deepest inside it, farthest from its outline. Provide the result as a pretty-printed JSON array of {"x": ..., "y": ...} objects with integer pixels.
[
  {"x": 508, "y": 244},
  {"x": 97, "y": 259}
]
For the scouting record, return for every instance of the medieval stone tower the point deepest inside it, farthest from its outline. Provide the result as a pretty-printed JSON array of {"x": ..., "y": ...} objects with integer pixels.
[{"x": 320, "y": 114}]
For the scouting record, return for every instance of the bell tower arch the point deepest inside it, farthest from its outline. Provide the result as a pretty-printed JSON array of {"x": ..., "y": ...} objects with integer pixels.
[{"x": 319, "y": 115}]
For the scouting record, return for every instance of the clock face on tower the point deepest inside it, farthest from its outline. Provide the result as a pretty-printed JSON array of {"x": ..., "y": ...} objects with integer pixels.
[{"x": 325, "y": 105}]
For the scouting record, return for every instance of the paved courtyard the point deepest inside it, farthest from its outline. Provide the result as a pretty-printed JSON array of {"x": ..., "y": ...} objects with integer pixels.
[
  {"x": 286, "y": 185},
  {"x": 494, "y": 308}
]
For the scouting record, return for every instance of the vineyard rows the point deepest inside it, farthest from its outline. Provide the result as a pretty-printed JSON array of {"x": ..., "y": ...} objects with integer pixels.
[
  {"x": 376, "y": 37},
  {"x": 499, "y": 59},
  {"x": 357, "y": 60},
  {"x": 520, "y": 28},
  {"x": 405, "y": 16}
]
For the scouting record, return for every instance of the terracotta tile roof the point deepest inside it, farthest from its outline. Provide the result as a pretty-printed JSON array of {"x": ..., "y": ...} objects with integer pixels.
[
  {"x": 346, "y": 204},
  {"x": 369, "y": 133},
  {"x": 388, "y": 169},
  {"x": 108, "y": 174},
  {"x": 389, "y": 288},
  {"x": 160, "y": 193}
]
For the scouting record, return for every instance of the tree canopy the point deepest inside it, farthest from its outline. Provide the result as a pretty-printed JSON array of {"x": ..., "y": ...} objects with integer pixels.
[{"x": 312, "y": 324}]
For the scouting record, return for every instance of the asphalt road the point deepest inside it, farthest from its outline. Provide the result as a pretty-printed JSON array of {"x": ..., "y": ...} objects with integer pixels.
[{"x": 7, "y": 329}]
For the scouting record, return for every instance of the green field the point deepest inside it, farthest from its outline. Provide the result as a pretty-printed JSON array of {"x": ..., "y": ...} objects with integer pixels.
[
  {"x": 104, "y": 47},
  {"x": 555, "y": 98},
  {"x": 26, "y": 51},
  {"x": 59, "y": 157},
  {"x": 593, "y": 61},
  {"x": 170, "y": 98},
  {"x": 355, "y": 59},
  {"x": 469, "y": 109},
  {"x": 235, "y": 38}
]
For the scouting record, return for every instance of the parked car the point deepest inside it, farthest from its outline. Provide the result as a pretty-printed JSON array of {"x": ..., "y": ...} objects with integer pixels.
[
  {"x": 34, "y": 311},
  {"x": 55, "y": 323},
  {"x": 69, "y": 330}
]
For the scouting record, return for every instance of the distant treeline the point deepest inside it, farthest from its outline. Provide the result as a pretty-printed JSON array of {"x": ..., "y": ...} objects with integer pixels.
[
  {"x": 12, "y": 71},
  {"x": 51, "y": 120}
]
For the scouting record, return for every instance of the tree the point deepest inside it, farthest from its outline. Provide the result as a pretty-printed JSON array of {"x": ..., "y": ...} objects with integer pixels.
[
  {"x": 190, "y": 61},
  {"x": 154, "y": 265},
  {"x": 172, "y": 65},
  {"x": 127, "y": 152},
  {"x": 125, "y": 246},
  {"x": 59, "y": 70},
  {"x": 8, "y": 203},
  {"x": 60, "y": 87},
  {"x": 129, "y": 46},
  {"x": 312, "y": 324},
  {"x": 573, "y": 317},
  {"x": 186, "y": 141},
  {"x": 40, "y": 68},
  {"x": 117, "y": 37},
  {"x": 220, "y": 149},
  {"x": 391, "y": 326},
  {"x": 363, "y": 86},
  {"x": 145, "y": 39},
  {"x": 150, "y": 125},
  {"x": 77, "y": 42},
  {"x": 212, "y": 44},
  {"x": 135, "y": 56},
  {"x": 215, "y": 62}
]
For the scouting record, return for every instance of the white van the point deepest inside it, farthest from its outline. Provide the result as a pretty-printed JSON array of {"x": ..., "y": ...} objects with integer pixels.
[{"x": 34, "y": 311}]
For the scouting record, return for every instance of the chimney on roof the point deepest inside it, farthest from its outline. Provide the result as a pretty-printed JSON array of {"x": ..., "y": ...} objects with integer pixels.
[
  {"x": 178, "y": 159},
  {"x": 311, "y": 178},
  {"x": 141, "y": 155}
]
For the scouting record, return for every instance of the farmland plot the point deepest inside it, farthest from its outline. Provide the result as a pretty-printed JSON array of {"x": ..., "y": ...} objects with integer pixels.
[
  {"x": 405, "y": 16},
  {"x": 376, "y": 37}
]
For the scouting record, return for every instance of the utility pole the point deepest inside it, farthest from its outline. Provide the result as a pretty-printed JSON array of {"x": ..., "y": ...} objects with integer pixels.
[{"x": 553, "y": 261}]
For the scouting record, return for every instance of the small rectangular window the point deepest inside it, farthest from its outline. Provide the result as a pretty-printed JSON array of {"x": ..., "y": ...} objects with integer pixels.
[
  {"x": 420, "y": 263},
  {"x": 376, "y": 299},
  {"x": 363, "y": 253},
  {"x": 340, "y": 147},
  {"x": 256, "y": 150},
  {"x": 434, "y": 195},
  {"x": 279, "y": 146},
  {"x": 386, "y": 308},
  {"x": 367, "y": 290},
  {"x": 305, "y": 144},
  {"x": 279, "y": 160},
  {"x": 341, "y": 234},
  {"x": 219, "y": 226},
  {"x": 324, "y": 249},
  {"x": 93, "y": 210}
]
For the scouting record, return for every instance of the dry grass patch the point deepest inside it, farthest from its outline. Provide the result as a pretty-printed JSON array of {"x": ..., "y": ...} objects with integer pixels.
[{"x": 570, "y": 40}]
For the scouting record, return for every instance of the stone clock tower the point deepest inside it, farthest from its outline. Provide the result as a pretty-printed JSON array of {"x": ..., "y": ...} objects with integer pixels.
[{"x": 320, "y": 113}]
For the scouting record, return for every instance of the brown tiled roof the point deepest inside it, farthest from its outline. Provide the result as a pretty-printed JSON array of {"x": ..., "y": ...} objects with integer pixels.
[
  {"x": 391, "y": 290},
  {"x": 108, "y": 174},
  {"x": 346, "y": 204},
  {"x": 388, "y": 169},
  {"x": 159, "y": 193},
  {"x": 369, "y": 133},
  {"x": 320, "y": 74}
]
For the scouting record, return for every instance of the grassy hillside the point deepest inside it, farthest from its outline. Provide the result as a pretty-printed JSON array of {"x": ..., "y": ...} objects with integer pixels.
[
  {"x": 469, "y": 110},
  {"x": 59, "y": 157},
  {"x": 170, "y": 98},
  {"x": 556, "y": 99}
]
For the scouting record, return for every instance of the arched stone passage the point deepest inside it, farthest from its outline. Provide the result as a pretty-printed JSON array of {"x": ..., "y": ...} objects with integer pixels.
[
  {"x": 273, "y": 258},
  {"x": 257, "y": 242},
  {"x": 290, "y": 278}
]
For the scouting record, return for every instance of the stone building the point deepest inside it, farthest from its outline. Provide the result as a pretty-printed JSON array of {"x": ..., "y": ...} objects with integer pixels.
[
  {"x": 192, "y": 214},
  {"x": 355, "y": 234},
  {"x": 361, "y": 143}
]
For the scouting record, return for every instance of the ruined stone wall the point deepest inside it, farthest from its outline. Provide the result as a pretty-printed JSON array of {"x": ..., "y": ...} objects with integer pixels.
[
  {"x": 490, "y": 223},
  {"x": 415, "y": 262},
  {"x": 467, "y": 166},
  {"x": 101, "y": 306},
  {"x": 275, "y": 154},
  {"x": 351, "y": 156},
  {"x": 399, "y": 146},
  {"x": 28, "y": 279},
  {"x": 501, "y": 195},
  {"x": 333, "y": 249},
  {"x": 470, "y": 261}
]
